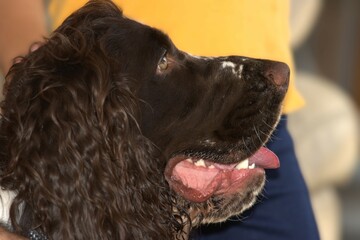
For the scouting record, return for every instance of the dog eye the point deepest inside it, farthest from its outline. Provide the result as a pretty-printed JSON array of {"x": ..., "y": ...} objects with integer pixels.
[{"x": 163, "y": 63}]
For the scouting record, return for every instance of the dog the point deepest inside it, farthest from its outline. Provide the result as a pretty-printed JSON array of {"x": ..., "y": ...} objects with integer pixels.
[{"x": 108, "y": 131}]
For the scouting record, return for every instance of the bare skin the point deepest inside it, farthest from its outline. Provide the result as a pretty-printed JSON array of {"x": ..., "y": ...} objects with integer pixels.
[
  {"x": 5, "y": 235},
  {"x": 24, "y": 24}
]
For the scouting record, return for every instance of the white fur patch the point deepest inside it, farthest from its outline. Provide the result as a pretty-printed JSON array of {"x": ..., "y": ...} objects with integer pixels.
[
  {"x": 6, "y": 198},
  {"x": 239, "y": 73},
  {"x": 235, "y": 69},
  {"x": 227, "y": 64}
]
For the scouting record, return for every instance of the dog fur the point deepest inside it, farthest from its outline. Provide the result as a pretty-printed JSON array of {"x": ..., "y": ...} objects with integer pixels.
[{"x": 95, "y": 121}]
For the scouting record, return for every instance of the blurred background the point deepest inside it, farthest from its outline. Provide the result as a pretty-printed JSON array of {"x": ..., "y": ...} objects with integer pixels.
[{"x": 326, "y": 44}]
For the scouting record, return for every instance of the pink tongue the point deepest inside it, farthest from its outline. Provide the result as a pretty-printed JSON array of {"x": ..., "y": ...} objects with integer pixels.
[{"x": 264, "y": 158}]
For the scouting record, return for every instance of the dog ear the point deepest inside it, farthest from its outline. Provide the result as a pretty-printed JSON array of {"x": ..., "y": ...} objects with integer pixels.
[{"x": 71, "y": 146}]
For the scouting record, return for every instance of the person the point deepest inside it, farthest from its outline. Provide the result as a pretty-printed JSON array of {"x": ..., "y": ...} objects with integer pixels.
[
  {"x": 24, "y": 23},
  {"x": 256, "y": 29}
]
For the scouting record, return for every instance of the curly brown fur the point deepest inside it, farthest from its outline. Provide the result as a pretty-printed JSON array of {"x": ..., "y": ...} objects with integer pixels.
[
  {"x": 70, "y": 140},
  {"x": 93, "y": 127}
]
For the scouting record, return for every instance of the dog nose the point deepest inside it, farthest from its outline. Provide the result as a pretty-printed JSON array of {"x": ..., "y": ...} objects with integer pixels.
[{"x": 278, "y": 73}]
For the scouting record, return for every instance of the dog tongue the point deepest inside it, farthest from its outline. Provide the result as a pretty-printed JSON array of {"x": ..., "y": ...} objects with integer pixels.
[{"x": 264, "y": 158}]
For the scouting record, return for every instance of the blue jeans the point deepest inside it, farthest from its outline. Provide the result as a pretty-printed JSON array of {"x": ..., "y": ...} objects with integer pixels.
[{"x": 283, "y": 212}]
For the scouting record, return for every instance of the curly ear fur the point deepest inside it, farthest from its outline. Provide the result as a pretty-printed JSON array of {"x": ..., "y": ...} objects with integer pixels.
[{"x": 70, "y": 144}]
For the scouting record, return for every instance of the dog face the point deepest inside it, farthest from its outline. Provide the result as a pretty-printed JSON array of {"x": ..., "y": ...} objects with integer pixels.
[
  {"x": 110, "y": 108},
  {"x": 210, "y": 118}
]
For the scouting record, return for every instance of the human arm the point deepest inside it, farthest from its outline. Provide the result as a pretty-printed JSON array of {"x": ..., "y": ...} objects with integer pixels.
[
  {"x": 6, "y": 235},
  {"x": 23, "y": 23}
]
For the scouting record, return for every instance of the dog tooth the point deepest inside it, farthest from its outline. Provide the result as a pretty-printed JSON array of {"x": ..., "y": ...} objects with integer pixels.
[
  {"x": 211, "y": 166},
  {"x": 243, "y": 164},
  {"x": 252, "y": 166},
  {"x": 200, "y": 163},
  {"x": 189, "y": 160}
]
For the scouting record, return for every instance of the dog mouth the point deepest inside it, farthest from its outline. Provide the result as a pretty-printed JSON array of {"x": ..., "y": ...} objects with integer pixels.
[{"x": 198, "y": 179}]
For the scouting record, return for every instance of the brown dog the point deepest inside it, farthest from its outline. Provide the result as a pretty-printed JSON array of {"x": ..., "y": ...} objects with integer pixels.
[{"x": 110, "y": 132}]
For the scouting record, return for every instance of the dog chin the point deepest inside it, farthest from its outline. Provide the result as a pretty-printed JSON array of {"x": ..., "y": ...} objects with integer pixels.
[
  {"x": 221, "y": 207},
  {"x": 233, "y": 204}
]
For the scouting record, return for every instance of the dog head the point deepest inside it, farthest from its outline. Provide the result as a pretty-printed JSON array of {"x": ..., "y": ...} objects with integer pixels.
[
  {"x": 211, "y": 118},
  {"x": 109, "y": 130}
]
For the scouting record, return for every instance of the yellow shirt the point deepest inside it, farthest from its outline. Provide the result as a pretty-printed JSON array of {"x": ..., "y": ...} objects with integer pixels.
[{"x": 253, "y": 28}]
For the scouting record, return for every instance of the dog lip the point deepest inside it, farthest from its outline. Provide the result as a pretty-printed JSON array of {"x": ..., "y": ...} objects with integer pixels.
[
  {"x": 198, "y": 179},
  {"x": 263, "y": 158},
  {"x": 198, "y": 184}
]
